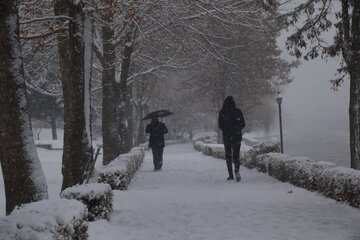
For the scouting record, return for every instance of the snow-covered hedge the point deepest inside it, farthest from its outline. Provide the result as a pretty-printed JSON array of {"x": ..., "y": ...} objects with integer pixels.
[
  {"x": 172, "y": 142},
  {"x": 339, "y": 183},
  {"x": 217, "y": 150},
  {"x": 210, "y": 149},
  {"x": 96, "y": 196},
  {"x": 60, "y": 219},
  {"x": 145, "y": 145},
  {"x": 205, "y": 136},
  {"x": 119, "y": 172},
  {"x": 199, "y": 145},
  {"x": 249, "y": 158}
]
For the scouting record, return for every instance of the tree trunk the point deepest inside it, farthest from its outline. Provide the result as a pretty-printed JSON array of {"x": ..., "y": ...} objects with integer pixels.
[
  {"x": 23, "y": 176},
  {"x": 111, "y": 136},
  {"x": 354, "y": 70},
  {"x": 354, "y": 118},
  {"x": 125, "y": 144},
  {"x": 129, "y": 113},
  {"x": 77, "y": 139},
  {"x": 140, "y": 138},
  {"x": 53, "y": 127}
]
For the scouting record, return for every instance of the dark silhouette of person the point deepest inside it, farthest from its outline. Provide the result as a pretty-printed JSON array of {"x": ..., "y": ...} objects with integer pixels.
[
  {"x": 231, "y": 122},
  {"x": 157, "y": 130}
]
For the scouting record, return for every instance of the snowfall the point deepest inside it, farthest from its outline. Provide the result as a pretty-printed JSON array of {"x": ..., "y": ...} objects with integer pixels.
[{"x": 190, "y": 198}]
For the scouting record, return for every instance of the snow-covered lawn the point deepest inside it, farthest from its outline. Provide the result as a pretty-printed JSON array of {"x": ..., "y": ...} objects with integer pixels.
[
  {"x": 51, "y": 164},
  {"x": 191, "y": 199}
]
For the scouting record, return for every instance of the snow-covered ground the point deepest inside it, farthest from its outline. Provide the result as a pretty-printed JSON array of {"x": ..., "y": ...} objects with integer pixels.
[
  {"x": 191, "y": 199},
  {"x": 51, "y": 164}
]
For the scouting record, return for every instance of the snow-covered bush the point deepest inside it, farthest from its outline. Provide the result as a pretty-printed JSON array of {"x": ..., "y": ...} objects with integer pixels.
[
  {"x": 199, "y": 145},
  {"x": 205, "y": 136},
  {"x": 259, "y": 148},
  {"x": 173, "y": 142},
  {"x": 248, "y": 154},
  {"x": 60, "y": 219},
  {"x": 96, "y": 196},
  {"x": 215, "y": 150},
  {"x": 145, "y": 145},
  {"x": 342, "y": 184},
  {"x": 119, "y": 172},
  {"x": 339, "y": 183},
  {"x": 212, "y": 149}
]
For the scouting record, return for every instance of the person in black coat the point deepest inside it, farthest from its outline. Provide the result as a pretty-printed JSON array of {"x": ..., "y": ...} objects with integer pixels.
[
  {"x": 231, "y": 122},
  {"x": 156, "y": 141}
]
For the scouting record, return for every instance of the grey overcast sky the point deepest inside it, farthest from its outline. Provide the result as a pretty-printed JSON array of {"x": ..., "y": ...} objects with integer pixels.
[
  {"x": 315, "y": 117},
  {"x": 309, "y": 102}
]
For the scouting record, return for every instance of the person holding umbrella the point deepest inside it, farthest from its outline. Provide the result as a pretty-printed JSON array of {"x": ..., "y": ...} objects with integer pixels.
[
  {"x": 156, "y": 129},
  {"x": 231, "y": 122}
]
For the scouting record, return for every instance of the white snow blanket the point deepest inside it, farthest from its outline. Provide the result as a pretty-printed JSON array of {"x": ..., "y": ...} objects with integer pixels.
[
  {"x": 217, "y": 150},
  {"x": 96, "y": 196},
  {"x": 46, "y": 220},
  {"x": 190, "y": 199},
  {"x": 119, "y": 172}
]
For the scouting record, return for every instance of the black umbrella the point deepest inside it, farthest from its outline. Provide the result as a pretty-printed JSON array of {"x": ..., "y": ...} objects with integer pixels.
[{"x": 157, "y": 114}]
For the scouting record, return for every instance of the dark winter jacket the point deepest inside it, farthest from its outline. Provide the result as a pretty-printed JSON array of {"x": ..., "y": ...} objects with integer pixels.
[
  {"x": 157, "y": 131},
  {"x": 231, "y": 122}
]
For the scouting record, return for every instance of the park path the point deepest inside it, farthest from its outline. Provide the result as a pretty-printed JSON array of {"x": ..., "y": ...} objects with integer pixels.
[{"x": 191, "y": 199}]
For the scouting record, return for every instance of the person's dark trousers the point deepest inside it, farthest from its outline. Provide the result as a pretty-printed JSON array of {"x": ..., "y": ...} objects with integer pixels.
[
  {"x": 157, "y": 157},
  {"x": 232, "y": 154}
]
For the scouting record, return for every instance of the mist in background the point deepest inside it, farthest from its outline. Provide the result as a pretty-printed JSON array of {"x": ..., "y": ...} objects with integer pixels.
[{"x": 315, "y": 117}]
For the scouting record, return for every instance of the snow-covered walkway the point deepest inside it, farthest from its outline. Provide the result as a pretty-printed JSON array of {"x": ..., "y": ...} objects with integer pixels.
[{"x": 191, "y": 199}]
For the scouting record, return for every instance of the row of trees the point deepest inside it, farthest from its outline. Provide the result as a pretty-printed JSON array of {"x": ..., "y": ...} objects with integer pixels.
[
  {"x": 93, "y": 56},
  {"x": 125, "y": 44},
  {"x": 222, "y": 53}
]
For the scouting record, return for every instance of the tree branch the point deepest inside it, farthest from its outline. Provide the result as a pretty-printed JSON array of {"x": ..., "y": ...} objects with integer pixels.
[
  {"x": 45, "y": 19},
  {"x": 44, "y": 35}
]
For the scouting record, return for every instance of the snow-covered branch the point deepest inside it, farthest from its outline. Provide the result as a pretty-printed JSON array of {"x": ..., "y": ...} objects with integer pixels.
[
  {"x": 47, "y": 18},
  {"x": 44, "y": 34}
]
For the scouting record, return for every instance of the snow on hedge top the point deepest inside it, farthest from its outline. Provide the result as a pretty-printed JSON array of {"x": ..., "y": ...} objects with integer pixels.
[
  {"x": 266, "y": 144},
  {"x": 120, "y": 162},
  {"x": 204, "y": 135},
  {"x": 89, "y": 191},
  {"x": 277, "y": 156},
  {"x": 300, "y": 160},
  {"x": 310, "y": 165},
  {"x": 215, "y": 146},
  {"x": 45, "y": 216}
]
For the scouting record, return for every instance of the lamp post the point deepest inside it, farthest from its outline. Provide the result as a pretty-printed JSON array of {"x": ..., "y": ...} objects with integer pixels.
[{"x": 279, "y": 101}]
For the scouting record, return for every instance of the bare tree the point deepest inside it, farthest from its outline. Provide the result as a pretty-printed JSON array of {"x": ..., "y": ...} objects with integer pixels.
[
  {"x": 41, "y": 65},
  {"x": 23, "y": 176},
  {"x": 236, "y": 54}
]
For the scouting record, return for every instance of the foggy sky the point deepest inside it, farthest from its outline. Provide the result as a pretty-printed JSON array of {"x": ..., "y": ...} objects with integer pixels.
[{"x": 315, "y": 117}]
